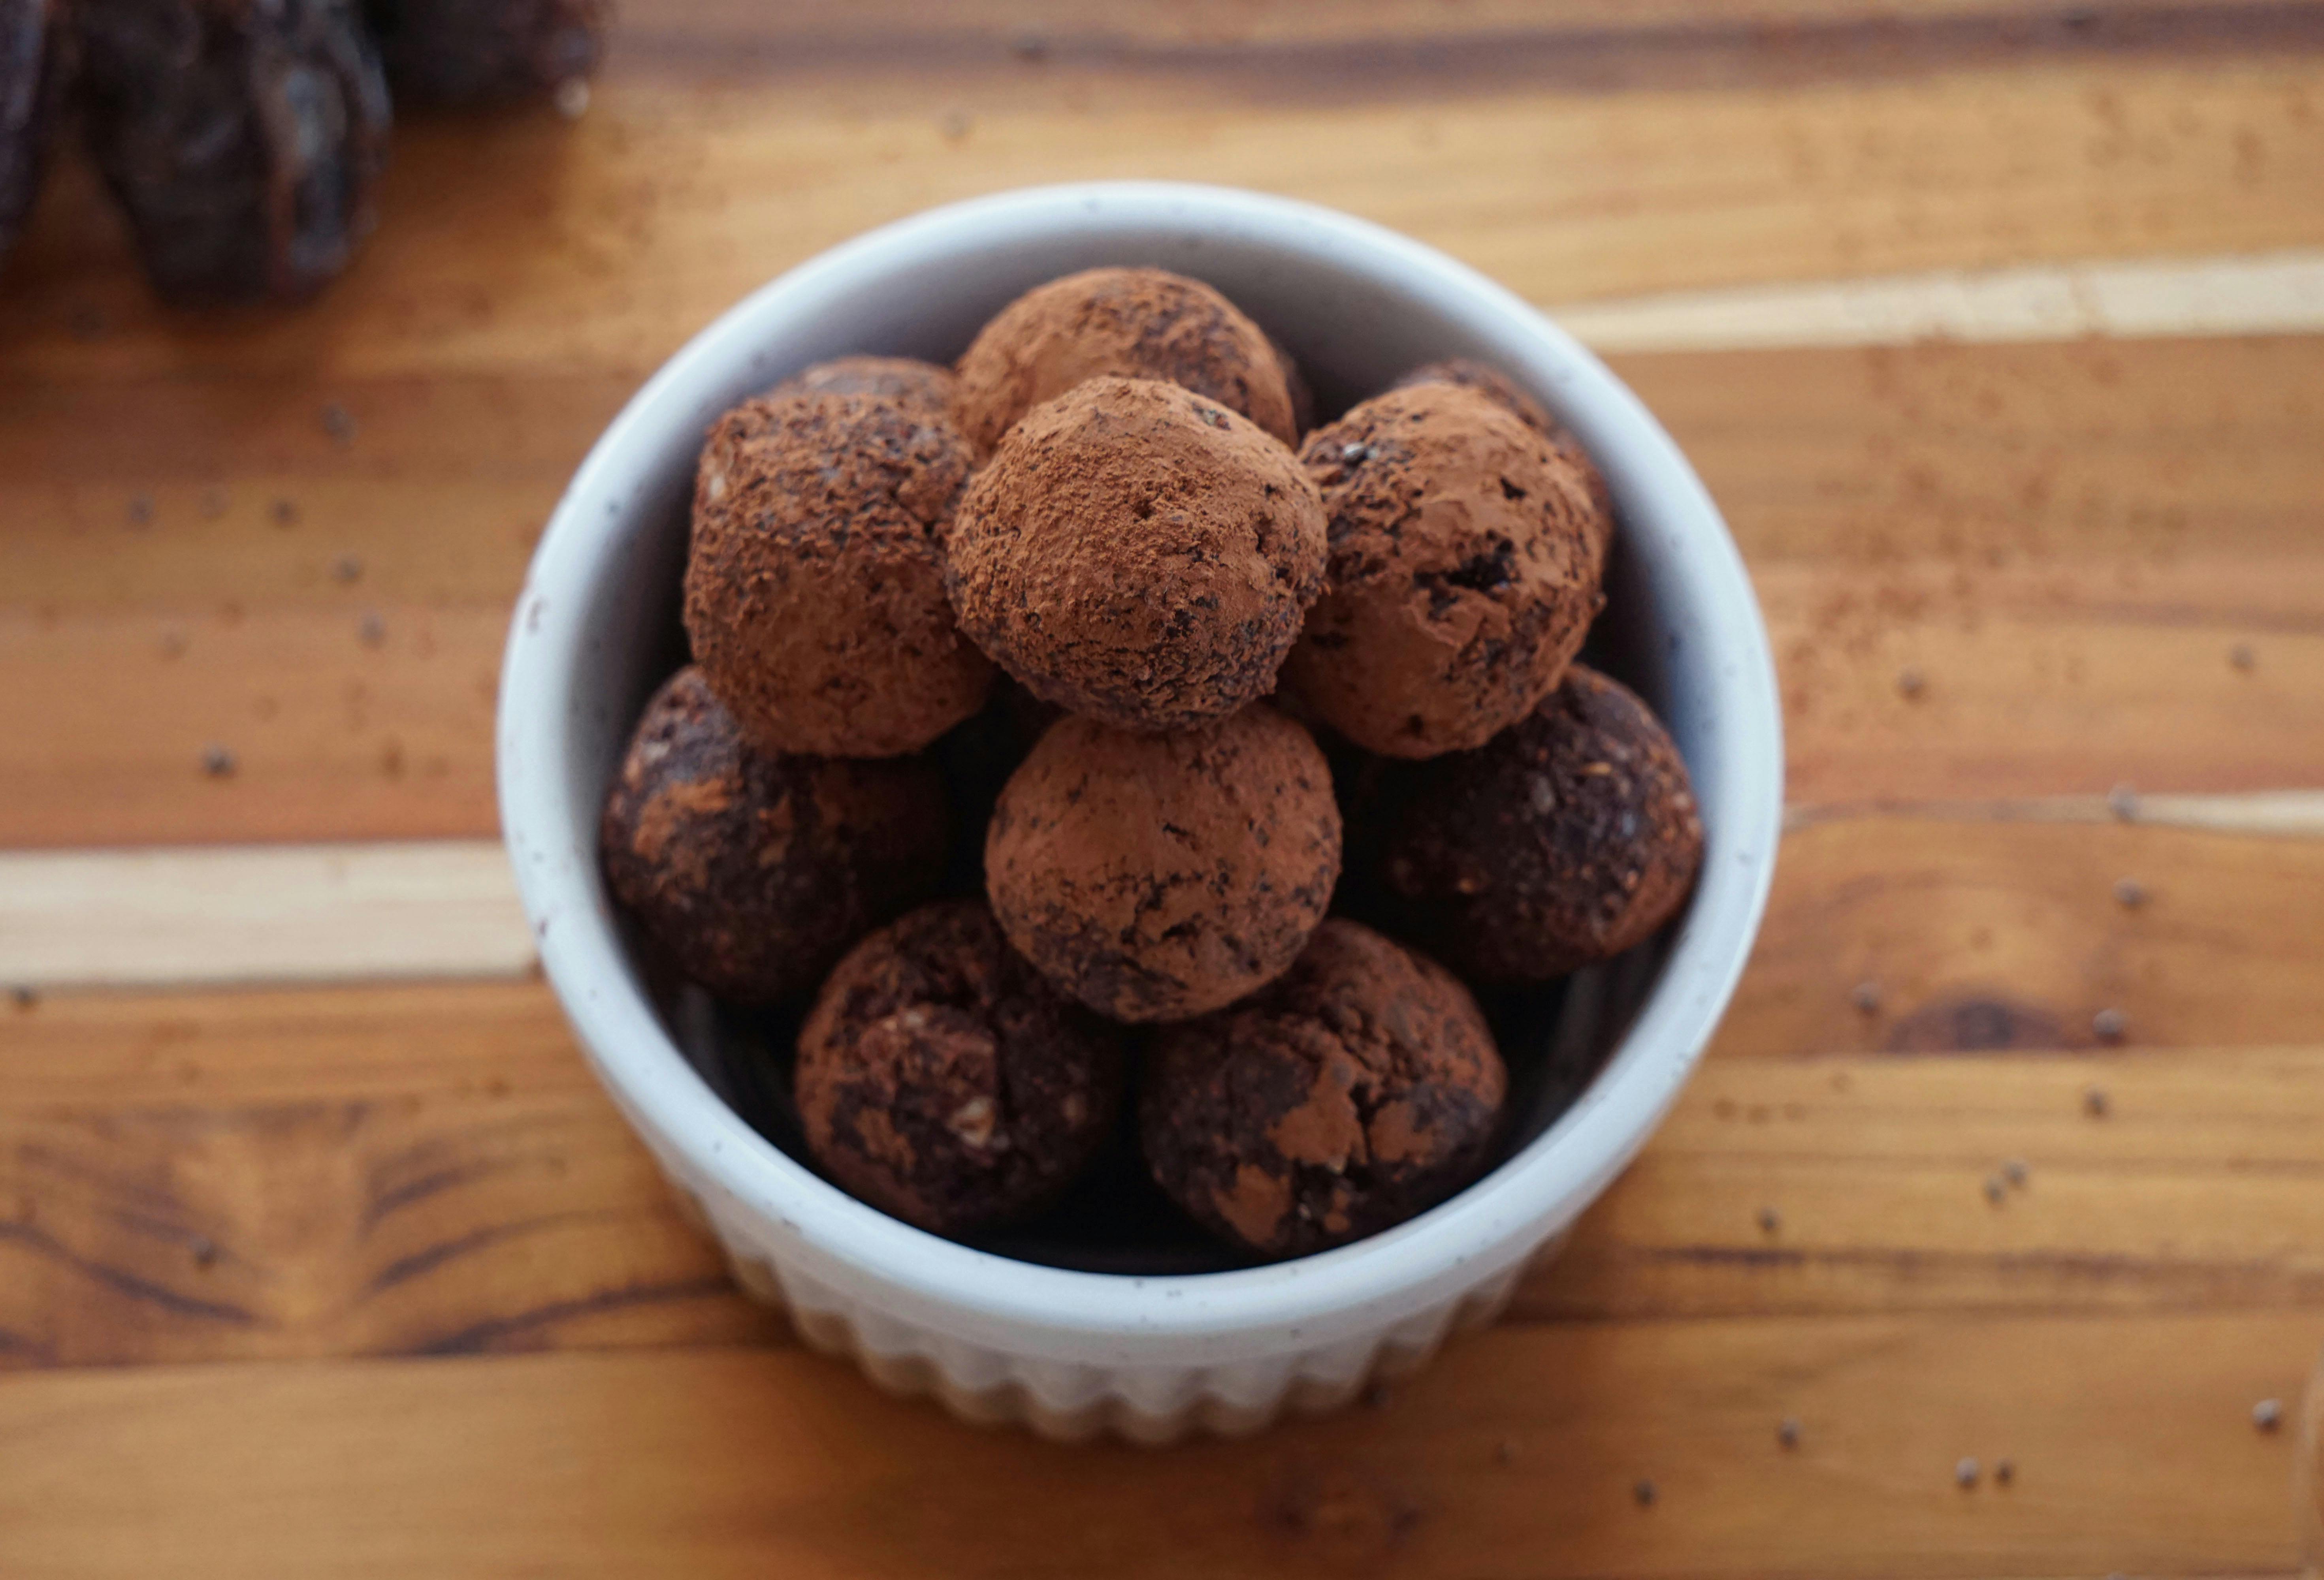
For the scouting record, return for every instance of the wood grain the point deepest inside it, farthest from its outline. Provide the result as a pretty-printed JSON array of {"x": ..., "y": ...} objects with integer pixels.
[
  {"x": 350, "y": 1170},
  {"x": 431, "y": 1169},
  {"x": 522, "y": 242},
  {"x": 2270, "y": 293},
  {"x": 268, "y": 913},
  {"x": 1996, "y": 934},
  {"x": 2067, "y": 541},
  {"x": 2193, "y": 1190},
  {"x": 2129, "y": 1436},
  {"x": 1275, "y": 54},
  {"x": 1014, "y": 27}
]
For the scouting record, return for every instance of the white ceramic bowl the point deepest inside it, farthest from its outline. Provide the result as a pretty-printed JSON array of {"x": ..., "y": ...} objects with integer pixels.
[{"x": 1073, "y": 1353}]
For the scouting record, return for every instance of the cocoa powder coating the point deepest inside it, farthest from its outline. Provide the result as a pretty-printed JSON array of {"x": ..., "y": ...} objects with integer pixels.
[
  {"x": 1139, "y": 553},
  {"x": 1153, "y": 877},
  {"x": 815, "y": 593},
  {"x": 1134, "y": 323},
  {"x": 942, "y": 1079},
  {"x": 1464, "y": 572},
  {"x": 754, "y": 872},
  {"x": 1502, "y": 390},
  {"x": 1360, "y": 1088},
  {"x": 1567, "y": 839}
]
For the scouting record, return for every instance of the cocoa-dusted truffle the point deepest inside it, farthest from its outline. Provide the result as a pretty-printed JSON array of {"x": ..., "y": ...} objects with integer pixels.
[
  {"x": 924, "y": 386},
  {"x": 1156, "y": 876},
  {"x": 1566, "y": 839},
  {"x": 1360, "y": 1088},
  {"x": 1135, "y": 322},
  {"x": 1491, "y": 382},
  {"x": 815, "y": 594},
  {"x": 755, "y": 871},
  {"x": 1464, "y": 572},
  {"x": 941, "y": 1078},
  {"x": 1139, "y": 553}
]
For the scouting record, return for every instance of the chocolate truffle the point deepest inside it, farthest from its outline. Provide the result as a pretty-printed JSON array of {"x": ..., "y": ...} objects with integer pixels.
[
  {"x": 1139, "y": 553},
  {"x": 815, "y": 594},
  {"x": 1360, "y": 1088},
  {"x": 1135, "y": 322},
  {"x": 1503, "y": 390},
  {"x": 755, "y": 871},
  {"x": 1156, "y": 876},
  {"x": 1464, "y": 572},
  {"x": 1566, "y": 839},
  {"x": 923, "y": 385},
  {"x": 941, "y": 1078}
]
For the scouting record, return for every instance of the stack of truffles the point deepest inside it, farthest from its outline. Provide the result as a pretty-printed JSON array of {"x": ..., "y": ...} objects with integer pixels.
[{"x": 1087, "y": 601}]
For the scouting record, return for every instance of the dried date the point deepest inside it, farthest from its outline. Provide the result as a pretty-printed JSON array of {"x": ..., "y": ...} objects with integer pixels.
[
  {"x": 245, "y": 138},
  {"x": 32, "y": 90},
  {"x": 471, "y": 51}
]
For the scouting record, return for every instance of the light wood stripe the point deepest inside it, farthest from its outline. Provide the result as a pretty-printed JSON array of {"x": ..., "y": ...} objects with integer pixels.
[
  {"x": 2279, "y": 293},
  {"x": 260, "y": 914},
  {"x": 448, "y": 909},
  {"x": 2288, "y": 813}
]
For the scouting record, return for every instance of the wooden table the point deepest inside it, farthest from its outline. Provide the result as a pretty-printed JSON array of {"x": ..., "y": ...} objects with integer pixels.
[{"x": 321, "y": 1253}]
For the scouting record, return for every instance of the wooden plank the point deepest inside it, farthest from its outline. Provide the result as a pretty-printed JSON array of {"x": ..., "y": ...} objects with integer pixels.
[
  {"x": 519, "y": 242},
  {"x": 2192, "y": 1190},
  {"x": 2280, "y": 293},
  {"x": 202, "y": 1177},
  {"x": 1370, "y": 50},
  {"x": 2129, "y": 1438},
  {"x": 1996, "y": 924},
  {"x": 1059, "y": 24},
  {"x": 2067, "y": 542},
  {"x": 271, "y": 914},
  {"x": 1917, "y": 682},
  {"x": 2155, "y": 457},
  {"x": 2062, "y": 680},
  {"x": 1999, "y": 934},
  {"x": 358, "y": 1171},
  {"x": 333, "y": 731}
]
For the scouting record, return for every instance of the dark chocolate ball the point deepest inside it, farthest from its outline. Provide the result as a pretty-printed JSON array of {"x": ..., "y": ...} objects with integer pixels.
[
  {"x": 943, "y": 1079},
  {"x": 755, "y": 871},
  {"x": 1360, "y": 1088},
  {"x": 1566, "y": 839},
  {"x": 815, "y": 595}
]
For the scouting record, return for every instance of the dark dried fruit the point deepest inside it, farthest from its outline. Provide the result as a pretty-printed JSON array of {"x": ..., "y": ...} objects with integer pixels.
[
  {"x": 245, "y": 137},
  {"x": 31, "y": 90},
  {"x": 469, "y": 51}
]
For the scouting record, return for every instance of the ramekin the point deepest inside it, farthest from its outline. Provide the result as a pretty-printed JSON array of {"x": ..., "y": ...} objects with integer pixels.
[{"x": 1073, "y": 1354}]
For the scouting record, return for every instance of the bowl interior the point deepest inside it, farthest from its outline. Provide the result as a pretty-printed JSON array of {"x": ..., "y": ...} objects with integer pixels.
[{"x": 1357, "y": 306}]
